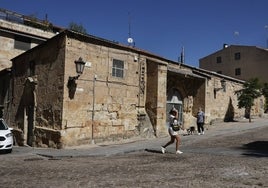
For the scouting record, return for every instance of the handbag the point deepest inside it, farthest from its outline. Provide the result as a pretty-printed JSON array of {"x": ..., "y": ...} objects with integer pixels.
[{"x": 176, "y": 126}]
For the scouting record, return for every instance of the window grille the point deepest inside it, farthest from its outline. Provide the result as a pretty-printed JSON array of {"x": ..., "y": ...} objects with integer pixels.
[
  {"x": 237, "y": 71},
  {"x": 219, "y": 59},
  {"x": 118, "y": 68},
  {"x": 237, "y": 56}
]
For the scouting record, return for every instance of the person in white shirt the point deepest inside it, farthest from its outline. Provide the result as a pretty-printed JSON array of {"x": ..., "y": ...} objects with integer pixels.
[{"x": 173, "y": 117}]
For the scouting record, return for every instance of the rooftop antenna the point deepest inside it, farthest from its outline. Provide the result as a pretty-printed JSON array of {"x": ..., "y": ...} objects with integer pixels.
[
  {"x": 236, "y": 34},
  {"x": 130, "y": 39},
  {"x": 182, "y": 57}
]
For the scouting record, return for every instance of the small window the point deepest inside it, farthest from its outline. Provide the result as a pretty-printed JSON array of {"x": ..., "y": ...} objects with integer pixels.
[
  {"x": 118, "y": 68},
  {"x": 22, "y": 43},
  {"x": 237, "y": 71},
  {"x": 237, "y": 56},
  {"x": 219, "y": 59}
]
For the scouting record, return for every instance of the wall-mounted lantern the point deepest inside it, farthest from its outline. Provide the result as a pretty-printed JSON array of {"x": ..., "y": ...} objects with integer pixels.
[
  {"x": 79, "y": 66},
  {"x": 223, "y": 86}
]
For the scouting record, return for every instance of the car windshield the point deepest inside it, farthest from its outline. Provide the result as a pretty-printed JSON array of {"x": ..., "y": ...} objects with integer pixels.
[{"x": 3, "y": 125}]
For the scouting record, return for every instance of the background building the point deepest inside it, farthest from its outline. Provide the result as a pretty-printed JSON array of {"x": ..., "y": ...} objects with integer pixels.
[
  {"x": 241, "y": 62},
  {"x": 19, "y": 33}
]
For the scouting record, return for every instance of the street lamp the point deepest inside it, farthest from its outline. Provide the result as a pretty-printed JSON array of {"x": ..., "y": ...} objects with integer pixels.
[
  {"x": 223, "y": 86},
  {"x": 79, "y": 66}
]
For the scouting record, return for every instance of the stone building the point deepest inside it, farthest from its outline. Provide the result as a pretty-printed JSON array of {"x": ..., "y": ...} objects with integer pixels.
[
  {"x": 122, "y": 92},
  {"x": 19, "y": 33},
  {"x": 237, "y": 61}
]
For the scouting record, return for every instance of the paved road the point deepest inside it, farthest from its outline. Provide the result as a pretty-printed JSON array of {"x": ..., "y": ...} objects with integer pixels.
[
  {"x": 214, "y": 131},
  {"x": 228, "y": 155}
]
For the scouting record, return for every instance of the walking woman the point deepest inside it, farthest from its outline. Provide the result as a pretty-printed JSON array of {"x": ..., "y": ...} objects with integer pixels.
[{"x": 173, "y": 118}]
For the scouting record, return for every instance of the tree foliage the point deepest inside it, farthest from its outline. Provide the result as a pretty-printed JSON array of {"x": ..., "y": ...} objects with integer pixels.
[
  {"x": 265, "y": 94},
  {"x": 77, "y": 27},
  {"x": 250, "y": 91}
]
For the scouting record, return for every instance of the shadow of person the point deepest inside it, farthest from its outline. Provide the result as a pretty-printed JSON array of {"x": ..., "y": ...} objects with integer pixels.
[
  {"x": 256, "y": 149},
  {"x": 153, "y": 151}
]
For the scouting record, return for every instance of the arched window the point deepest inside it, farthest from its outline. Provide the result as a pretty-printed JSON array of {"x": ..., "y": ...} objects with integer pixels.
[{"x": 174, "y": 100}]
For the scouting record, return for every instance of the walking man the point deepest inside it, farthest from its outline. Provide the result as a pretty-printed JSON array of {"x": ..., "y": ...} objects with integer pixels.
[{"x": 200, "y": 121}]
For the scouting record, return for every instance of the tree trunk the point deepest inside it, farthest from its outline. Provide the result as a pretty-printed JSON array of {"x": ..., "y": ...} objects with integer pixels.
[{"x": 249, "y": 115}]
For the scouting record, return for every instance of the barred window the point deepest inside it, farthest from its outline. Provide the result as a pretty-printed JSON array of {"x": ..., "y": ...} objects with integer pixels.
[
  {"x": 218, "y": 59},
  {"x": 237, "y": 71},
  {"x": 118, "y": 68},
  {"x": 237, "y": 56}
]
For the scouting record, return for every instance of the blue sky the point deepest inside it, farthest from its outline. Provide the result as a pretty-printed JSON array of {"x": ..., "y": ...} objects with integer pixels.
[{"x": 161, "y": 27}]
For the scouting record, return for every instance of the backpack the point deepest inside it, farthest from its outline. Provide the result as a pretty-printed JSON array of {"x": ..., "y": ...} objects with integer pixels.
[{"x": 176, "y": 126}]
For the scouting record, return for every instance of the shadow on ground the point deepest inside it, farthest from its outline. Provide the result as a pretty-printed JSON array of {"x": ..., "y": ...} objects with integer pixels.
[
  {"x": 153, "y": 151},
  {"x": 256, "y": 149},
  {"x": 3, "y": 152}
]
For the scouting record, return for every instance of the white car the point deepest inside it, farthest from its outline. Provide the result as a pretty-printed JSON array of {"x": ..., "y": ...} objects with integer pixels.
[{"x": 6, "y": 137}]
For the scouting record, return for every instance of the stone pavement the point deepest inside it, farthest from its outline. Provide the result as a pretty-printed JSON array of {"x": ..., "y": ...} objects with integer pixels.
[{"x": 152, "y": 144}]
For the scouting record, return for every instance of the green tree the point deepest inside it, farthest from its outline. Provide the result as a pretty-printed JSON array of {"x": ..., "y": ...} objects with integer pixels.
[
  {"x": 250, "y": 91},
  {"x": 265, "y": 94},
  {"x": 77, "y": 27}
]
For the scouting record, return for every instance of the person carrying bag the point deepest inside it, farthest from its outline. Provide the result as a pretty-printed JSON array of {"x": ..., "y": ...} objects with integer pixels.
[{"x": 174, "y": 126}]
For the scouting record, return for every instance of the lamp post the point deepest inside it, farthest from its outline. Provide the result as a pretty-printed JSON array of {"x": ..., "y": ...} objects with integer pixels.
[{"x": 93, "y": 110}]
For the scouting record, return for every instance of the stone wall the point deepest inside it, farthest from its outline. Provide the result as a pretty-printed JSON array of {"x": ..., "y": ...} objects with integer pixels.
[
  {"x": 37, "y": 80},
  {"x": 156, "y": 95},
  {"x": 110, "y": 108},
  {"x": 96, "y": 107},
  {"x": 222, "y": 104}
]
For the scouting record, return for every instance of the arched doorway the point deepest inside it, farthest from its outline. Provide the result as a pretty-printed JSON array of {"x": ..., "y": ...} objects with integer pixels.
[{"x": 174, "y": 100}]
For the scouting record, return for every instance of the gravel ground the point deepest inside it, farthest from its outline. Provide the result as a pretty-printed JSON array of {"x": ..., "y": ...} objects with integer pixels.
[{"x": 236, "y": 160}]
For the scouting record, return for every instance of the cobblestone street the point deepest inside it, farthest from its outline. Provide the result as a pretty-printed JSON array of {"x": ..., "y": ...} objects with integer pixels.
[{"x": 237, "y": 159}]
